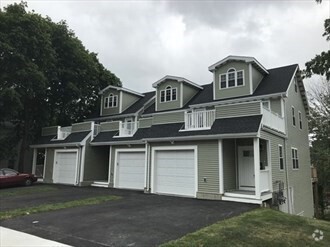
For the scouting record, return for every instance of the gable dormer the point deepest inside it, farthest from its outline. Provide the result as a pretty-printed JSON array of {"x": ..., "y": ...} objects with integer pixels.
[
  {"x": 173, "y": 92},
  {"x": 236, "y": 76},
  {"x": 115, "y": 100}
]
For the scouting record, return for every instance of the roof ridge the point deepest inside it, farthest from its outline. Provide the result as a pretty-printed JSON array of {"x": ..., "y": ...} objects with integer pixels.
[{"x": 295, "y": 64}]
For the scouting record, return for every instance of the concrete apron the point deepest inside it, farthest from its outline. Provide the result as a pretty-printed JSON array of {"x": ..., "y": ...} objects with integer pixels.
[{"x": 12, "y": 238}]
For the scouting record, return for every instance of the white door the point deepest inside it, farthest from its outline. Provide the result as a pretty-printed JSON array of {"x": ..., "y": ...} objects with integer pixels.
[
  {"x": 130, "y": 170},
  {"x": 246, "y": 167},
  {"x": 65, "y": 167},
  {"x": 174, "y": 172}
]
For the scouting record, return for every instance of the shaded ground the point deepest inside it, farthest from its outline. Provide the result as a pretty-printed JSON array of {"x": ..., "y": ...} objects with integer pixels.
[{"x": 136, "y": 220}]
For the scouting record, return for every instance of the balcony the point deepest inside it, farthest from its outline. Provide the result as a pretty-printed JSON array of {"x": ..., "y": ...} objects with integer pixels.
[
  {"x": 273, "y": 120},
  {"x": 63, "y": 132},
  {"x": 199, "y": 120},
  {"x": 127, "y": 129}
]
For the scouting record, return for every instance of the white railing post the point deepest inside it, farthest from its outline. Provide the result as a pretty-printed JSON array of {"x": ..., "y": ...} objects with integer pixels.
[{"x": 199, "y": 119}]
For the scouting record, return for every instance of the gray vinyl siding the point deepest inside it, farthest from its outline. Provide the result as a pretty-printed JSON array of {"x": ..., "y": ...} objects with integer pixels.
[
  {"x": 275, "y": 106},
  {"x": 208, "y": 163},
  {"x": 128, "y": 100},
  {"x": 48, "y": 178},
  {"x": 96, "y": 165},
  {"x": 274, "y": 142},
  {"x": 237, "y": 110},
  {"x": 235, "y": 91},
  {"x": 81, "y": 127},
  {"x": 171, "y": 104},
  {"x": 110, "y": 126},
  {"x": 47, "y": 131},
  {"x": 256, "y": 78},
  {"x": 171, "y": 117},
  {"x": 229, "y": 164},
  {"x": 188, "y": 92},
  {"x": 113, "y": 110},
  {"x": 112, "y": 160},
  {"x": 145, "y": 122},
  {"x": 299, "y": 179}
]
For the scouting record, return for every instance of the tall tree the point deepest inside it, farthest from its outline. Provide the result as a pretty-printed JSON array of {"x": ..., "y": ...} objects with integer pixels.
[{"x": 47, "y": 76}]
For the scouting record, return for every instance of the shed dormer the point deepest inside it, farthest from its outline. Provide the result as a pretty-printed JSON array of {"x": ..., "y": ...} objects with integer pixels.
[
  {"x": 115, "y": 100},
  {"x": 236, "y": 76},
  {"x": 173, "y": 92}
]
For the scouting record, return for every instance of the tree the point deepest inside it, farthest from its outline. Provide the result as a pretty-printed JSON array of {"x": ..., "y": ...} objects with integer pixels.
[
  {"x": 320, "y": 64},
  {"x": 47, "y": 76}
]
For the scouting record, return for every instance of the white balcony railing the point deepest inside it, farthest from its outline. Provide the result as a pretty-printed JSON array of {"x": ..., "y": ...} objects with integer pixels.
[
  {"x": 97, "y": 129},
  {"x": 199, "y": 119},
  {"x": 127, "y": 128},
  {"x": 265, "y": 180},
  {"x": 273, "y": 120},
  {"x": 63, "y": 132}
]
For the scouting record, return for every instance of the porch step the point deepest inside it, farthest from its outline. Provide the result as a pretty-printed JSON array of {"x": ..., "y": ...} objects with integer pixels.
[
  {"x": 246, "y": 198},
  {"x": 242, "y": 199},
  {"x": 100, "y": 184}
]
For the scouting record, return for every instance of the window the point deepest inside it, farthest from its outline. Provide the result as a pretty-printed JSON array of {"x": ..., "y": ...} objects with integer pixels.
[
  {"x": 232, "y": 78},
  {"x": 111, "y": 101},
  {"x": 169, "y": 94},
  {"x": 293, "y": 117},
  {"x": 280, "y": 156},
  {"x": 295, "y": 162},
  {"x": 300, "y": 120}
]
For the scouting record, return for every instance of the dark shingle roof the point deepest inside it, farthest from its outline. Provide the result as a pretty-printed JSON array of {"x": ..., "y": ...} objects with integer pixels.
[
  {"x": 140, "y": 103},
  {"x": 72, "y": 138},
  {"x": 277, "y": 81},
  {"x": 237, "y": 125}
]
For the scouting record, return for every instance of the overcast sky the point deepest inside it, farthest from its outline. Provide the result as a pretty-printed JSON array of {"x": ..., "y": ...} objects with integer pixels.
[{"x": 142, "y": 41}]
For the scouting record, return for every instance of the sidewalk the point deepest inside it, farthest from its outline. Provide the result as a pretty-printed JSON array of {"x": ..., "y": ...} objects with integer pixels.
[{"x": 12, "y": 238}]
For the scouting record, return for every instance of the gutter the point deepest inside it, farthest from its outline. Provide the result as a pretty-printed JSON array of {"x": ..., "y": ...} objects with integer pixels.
[{"x": 71, "y": 144}]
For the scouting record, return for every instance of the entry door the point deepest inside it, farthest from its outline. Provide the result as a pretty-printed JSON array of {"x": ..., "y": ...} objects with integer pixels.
[{"x": 246, "y": 167}]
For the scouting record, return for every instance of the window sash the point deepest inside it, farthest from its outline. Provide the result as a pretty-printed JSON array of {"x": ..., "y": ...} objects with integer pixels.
[
  {"x": 293, "y": 117},
  {"x": 231, "y": 79},
  {"x": 281, "y": 159},
  {"x": 300, "y": 120},
  {"x": 173, "y": 94}
]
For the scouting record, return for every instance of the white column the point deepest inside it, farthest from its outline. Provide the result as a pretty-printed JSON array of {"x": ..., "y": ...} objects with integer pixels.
[
  {"x": 109, "y": 173},
  {"x": 256, "y": 156},
  {"x": 221, "y": 182},
  {"x": 34, "y": 161}
]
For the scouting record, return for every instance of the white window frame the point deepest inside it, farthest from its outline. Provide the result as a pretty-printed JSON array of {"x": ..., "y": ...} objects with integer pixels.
[
  {"x": 281, "y": 157},
  {"x": 168, "y": 88},
  {"x": 227, "y": 79},
  {"x": 111, "y": 98},
  {"x": 293, "y": 116},
  {"x": 300, "y": 120},
  {"x": 294, "y": 158}
]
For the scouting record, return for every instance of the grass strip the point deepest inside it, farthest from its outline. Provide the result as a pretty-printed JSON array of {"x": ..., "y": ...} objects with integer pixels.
[
  {"x": 26, "y": 190},
  {"x": 260, "y": 227},
  {"x": 56, "y": 206}
]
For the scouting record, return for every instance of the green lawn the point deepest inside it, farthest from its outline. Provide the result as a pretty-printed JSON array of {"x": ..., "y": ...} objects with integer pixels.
[
  {"x": 56, "y": 206},
  {"x": 260, "y": 227},
  {"x": 16, "y": 191}
]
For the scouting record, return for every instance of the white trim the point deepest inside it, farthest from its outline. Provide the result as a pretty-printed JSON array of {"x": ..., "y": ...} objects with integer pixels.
[
  {"x": 121, "y": 89},
  {"x": 72, "y": 144},
  {"x": 146, "y": 166},
  {"x": 163, "y": 112},
  {"x": 243, "y": 200},
  {"x": 221, "y": 175},
  {"x": 102, "y": 106},
  {"x": 250, "y": 78},
  {"x": 181, "y": 94},
  {"x": 282, "y": 108},
  {"x": 156, "y": 101},
  {"x": 121, "y": 102},
  {"x": 256, "y": 155},
  {"x": 214, "y": 85},
  {"x": 169, "y": 87},
  {"x": 292, "y": 80},
  {"x": 109, "y": 165},
  {"x": 34, "y": 160},
  {"x": 227, "y": 79},
  {"x": 269, "y": 164},
  {"x": 294, "y": 158},
  {"x": 82, "y": 163},
  {"x": 239, "y": 58},
  {"x": 56, "y": 151},
  {"x": 123, "y": 150},
  {"x": 174, "y": 148},
  {"x": 279, "y": 157},
  {"x": 45, "y": 162},
  {"x": 175, "y": 78}
]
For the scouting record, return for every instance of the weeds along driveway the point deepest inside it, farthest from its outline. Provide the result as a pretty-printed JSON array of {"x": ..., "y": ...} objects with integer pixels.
[{"x": 136, "y": 219}]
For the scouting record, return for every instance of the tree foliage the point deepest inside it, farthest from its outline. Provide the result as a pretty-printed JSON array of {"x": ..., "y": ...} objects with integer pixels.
[{"x": 47, "y": 76}]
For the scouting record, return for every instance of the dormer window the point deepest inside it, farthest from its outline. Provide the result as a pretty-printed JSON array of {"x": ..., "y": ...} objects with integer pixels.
[
  {"x": 111, "y": 101},
  {"x": 232, "y": 78},
  {"x": 169, "y": 94}
]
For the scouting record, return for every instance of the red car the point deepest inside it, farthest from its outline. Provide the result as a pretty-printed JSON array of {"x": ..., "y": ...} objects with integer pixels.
[{"x": 10, "y": 177}]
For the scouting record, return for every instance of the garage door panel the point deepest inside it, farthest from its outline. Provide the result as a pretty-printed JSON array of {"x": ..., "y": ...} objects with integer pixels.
[
  {"x": 64, "y": 170},
  {"x": 175, "y": 172},
  {"x": 130, "y": 170}
]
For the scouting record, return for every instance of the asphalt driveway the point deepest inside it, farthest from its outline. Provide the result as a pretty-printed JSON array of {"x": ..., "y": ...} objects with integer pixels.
[{"x": 136, "y": 220}]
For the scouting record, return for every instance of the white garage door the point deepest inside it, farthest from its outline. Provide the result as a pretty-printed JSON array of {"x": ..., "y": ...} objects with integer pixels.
[
  {"x": 65, "y": 168},
  {"x": 175, "y": 172},
  {"x": 130, "y": 170}
]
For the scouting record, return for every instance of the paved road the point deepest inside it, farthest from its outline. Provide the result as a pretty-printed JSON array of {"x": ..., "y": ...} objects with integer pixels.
[{"x": 136, "y": 220}]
